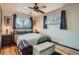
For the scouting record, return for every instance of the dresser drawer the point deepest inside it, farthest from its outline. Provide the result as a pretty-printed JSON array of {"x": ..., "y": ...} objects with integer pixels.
[{"x": 7, "y": 39}]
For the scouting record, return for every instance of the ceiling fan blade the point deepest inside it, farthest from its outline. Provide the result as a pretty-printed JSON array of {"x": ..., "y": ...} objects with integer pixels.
[
  {"x": 41, "y": 11},
  {"x": 43, "y": 7},
  {"x": 30, "y": 7}
]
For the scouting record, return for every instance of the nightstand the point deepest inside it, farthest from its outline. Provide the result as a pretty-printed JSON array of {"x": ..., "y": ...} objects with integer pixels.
[{"x": 7, "y": 39}]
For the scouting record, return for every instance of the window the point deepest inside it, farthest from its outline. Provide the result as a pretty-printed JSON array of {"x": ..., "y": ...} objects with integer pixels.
[{"x": 23, "y": 22}]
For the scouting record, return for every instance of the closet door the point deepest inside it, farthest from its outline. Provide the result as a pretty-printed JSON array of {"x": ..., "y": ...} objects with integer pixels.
[{"x": 0, "y": 24}]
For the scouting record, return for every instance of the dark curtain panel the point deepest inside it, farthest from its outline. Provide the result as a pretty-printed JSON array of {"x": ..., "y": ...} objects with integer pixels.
[
  {"x": 63, "y": 24},
  {"x": 14, "y": 20},
  {"x": 44, "y": 22},
  {"x": 31, "y": 22},
  {"x": 14, "y": 25}
]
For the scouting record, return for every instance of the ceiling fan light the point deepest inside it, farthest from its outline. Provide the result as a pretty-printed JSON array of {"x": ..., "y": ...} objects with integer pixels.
[{"x": 35, "y": 12}]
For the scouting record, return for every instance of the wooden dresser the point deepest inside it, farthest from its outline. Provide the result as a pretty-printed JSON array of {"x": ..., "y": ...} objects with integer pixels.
[{"x": 7, "y": 39}]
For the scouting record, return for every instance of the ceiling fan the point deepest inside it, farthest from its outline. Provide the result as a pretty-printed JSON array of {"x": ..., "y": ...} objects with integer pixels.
[{"x": 36, "y": 8}]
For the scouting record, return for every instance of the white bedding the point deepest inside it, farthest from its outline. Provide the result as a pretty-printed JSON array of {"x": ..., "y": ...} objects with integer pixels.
[{"x": 31, "y": 38}]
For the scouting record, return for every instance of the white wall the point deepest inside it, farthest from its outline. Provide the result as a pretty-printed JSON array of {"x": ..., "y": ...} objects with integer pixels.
[{"x": 69, "y": 37}]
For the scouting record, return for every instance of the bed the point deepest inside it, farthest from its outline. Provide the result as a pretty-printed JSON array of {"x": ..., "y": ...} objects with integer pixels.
[{"x": 26, "y": 41}]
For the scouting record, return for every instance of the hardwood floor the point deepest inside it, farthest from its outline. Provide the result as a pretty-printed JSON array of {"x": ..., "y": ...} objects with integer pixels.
[
  {"x": 13, "y": 50},
  {"x": 9, "y": 50},
  {"x": 65, "y": 51}
]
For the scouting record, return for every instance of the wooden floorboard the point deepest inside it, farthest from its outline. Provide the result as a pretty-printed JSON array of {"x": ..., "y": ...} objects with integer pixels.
[
  {"x": 13, "y": 50},
  {"x": 9, "y": 50},
  {"x": 65, "y": 51}
]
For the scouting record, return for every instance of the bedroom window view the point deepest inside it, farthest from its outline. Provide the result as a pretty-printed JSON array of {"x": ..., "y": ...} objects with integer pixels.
[
  {"x": 23, "y": 23},
  {"x": 39, "y": 29}
]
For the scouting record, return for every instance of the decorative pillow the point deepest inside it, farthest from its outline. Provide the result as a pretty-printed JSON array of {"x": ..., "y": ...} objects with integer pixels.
[{"x": 44, "y": 39}]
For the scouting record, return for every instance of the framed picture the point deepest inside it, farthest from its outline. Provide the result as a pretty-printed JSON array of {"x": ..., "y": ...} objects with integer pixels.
[
  {"x": 7, "y": 20},
  {"x": 53, "y": 20}
]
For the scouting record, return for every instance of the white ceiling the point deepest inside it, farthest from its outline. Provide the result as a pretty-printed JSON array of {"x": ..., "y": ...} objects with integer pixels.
[{"x": 23, "y": 7}]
